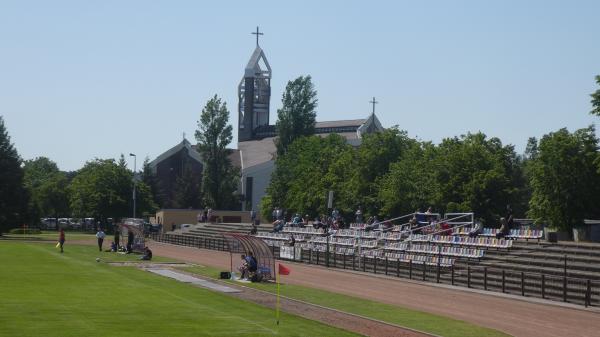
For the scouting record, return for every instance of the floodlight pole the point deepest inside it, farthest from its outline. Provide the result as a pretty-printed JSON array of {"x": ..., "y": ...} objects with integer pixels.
[{"x": 134, "y": 180}]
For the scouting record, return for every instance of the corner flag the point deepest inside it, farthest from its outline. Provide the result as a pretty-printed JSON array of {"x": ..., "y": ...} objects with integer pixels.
[{"x": 281, "y": 270}]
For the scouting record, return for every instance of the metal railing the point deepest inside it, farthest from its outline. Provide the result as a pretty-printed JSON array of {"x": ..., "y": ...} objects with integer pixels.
[{"x": 547, "y": 286}]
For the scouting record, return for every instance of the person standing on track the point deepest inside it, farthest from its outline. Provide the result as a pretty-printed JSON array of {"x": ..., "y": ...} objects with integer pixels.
[
  {"x": 100, "y": 235},
  {"x": 61, "y": 239}
]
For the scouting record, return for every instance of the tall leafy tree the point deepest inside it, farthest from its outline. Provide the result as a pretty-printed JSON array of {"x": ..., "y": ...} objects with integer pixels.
[
  {"x": 564, "y": 179},
  {"x": 304, "y": 175},
  {"x": 373, "y": 159},
  {"x": 296, "y": 118},
  {"x": 13, "y": 197},
  {"x": 411, "y": 183},
  {"x": 214, "y": 134},
  {"x": 103, "y": 189},
  {"x": 596, "y": 99},
  {"x": 47, "y": 187}
]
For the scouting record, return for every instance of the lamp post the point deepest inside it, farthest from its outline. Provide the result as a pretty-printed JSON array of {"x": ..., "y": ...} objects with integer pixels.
[{"x": 134, "y": 179}]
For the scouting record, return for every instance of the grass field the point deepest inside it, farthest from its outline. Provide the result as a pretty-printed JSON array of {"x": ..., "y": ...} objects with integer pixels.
[
  {"x": 422, "y": 321},
  {"x": 45, "y": 293}
]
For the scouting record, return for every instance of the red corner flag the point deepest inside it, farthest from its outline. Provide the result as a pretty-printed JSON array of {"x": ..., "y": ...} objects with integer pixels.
[{"x": 283, "y": 270}]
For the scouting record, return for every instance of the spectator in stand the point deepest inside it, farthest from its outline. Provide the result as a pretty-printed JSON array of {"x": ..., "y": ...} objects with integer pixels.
[
  {"x": 254, "y": 229},
  {"x": 205, "y": 214},
  {"x": 335, "y": 213},
  {"x": 296, "y": 220},
  {"x": 476, "y": 230},
  {"x": 252, "y": 215},
  {"x": 509, "y": 218},
  {"x": 446, "y": 229},
  {"x": 209, "y": 215},
  {"x": 317, "y": 223},
  {"x": 503, "y": 231},
  {"x": 278, "y": 226},
  {"x": 359, "y": 215},
  {"x": 274, "y": 214},
  {"x": 305, "y": 221},
  {"x": 292, "y": 241},
  {"x": 413, "y": 222}
]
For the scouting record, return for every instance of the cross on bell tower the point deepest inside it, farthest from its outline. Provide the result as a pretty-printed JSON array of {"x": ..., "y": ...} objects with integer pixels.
[
  {"x": 373, "y": 102},
  {"x": 257, "y": 33}
]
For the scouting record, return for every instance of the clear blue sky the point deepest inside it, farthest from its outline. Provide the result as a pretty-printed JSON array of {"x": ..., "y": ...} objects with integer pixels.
[{"x": 85, "y": 79}]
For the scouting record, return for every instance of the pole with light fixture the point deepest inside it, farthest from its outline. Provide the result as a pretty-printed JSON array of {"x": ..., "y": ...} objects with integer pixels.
[{"x": 134, "y": 179}]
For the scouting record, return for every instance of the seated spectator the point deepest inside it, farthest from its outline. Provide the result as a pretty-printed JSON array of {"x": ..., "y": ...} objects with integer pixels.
[
  {"x": 476, "y": 230},
  {"x": 113, "y": 247},
  {"x": 446, "y": 229},
  {"x": 147, "y": 254},
  {"x": 305, "y": 220},
  {"x": 504, "y": 230},
  {"x": 318, "y": 224},
  {"x": 254, "y": 229},
  {"x": 413, "y": 222},
  {"x": 297, "y": 220},
  {"x": 244, "y": 268},
  {"x": 249, "y": 266},
  {"x": 278, "y": 226}
]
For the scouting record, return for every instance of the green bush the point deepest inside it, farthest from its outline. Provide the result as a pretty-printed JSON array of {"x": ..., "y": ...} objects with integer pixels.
[{"x": 25, "y": 231}]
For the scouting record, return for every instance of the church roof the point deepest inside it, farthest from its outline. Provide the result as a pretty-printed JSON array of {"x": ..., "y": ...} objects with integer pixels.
[
  {"x": 183, "y": 145},
  {"x": 255, "y": 152},
  {"x": 341, "y": 123}
]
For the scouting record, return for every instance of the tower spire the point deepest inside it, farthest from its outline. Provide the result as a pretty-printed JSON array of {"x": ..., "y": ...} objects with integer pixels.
[
  {"x": 257, "y": 33},
  {"x": 373, "y": 102}
]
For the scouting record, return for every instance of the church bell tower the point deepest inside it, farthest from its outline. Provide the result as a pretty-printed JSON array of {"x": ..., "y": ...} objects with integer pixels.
[{"x": 254, "y": 94}]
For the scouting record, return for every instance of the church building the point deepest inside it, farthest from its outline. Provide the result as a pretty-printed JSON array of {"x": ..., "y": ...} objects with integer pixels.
[
  {"x": 256, "y": 136},
  {"x": 256, "y": 151}
]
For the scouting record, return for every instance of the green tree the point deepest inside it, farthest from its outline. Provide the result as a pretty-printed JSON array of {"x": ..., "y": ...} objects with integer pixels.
[
  {"x": 47, "y": 188},
  {"x": 104, "y": 189},
  {"x": 373, "y": 159},
  {"x": 214, "y": 134},
  {"x": 304, "y": 175},
  {"x": 296, "y": 118},
  {"x": 476, "y": 174},
  {"x": 564, "y": 179},
  {"x": 596, "y": 99},
  {"x": 411, "y": 183},
  {"x": 13, "y": 196}
]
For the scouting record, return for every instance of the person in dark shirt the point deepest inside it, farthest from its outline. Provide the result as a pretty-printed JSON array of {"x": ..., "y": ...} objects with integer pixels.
[
  {"x": 147, "y": 254},
  {"x": 130, "y": 238}
]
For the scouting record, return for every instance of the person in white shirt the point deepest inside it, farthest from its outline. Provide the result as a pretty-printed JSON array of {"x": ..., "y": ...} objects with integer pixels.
[{"x": 100, "y": 235}]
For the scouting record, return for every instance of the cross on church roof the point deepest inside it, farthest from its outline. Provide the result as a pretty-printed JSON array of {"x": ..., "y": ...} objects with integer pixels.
[
  {"x": 257, "y": 34},
  {"x": 373, "y": 102}
]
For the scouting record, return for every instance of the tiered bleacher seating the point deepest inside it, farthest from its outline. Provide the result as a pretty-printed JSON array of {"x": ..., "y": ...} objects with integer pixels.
[
  {"x": 470, "y": 253},
  {"x": 476, "y": 242},
  {"x": 535, "y": 234},
  {"x": 303, "y": 230},
  {"x": 368, "y": 244},
  {"x": 392, "y": 236},
  {"x": 397, "y": 246},
  {"x": 428, "y": 259}
]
